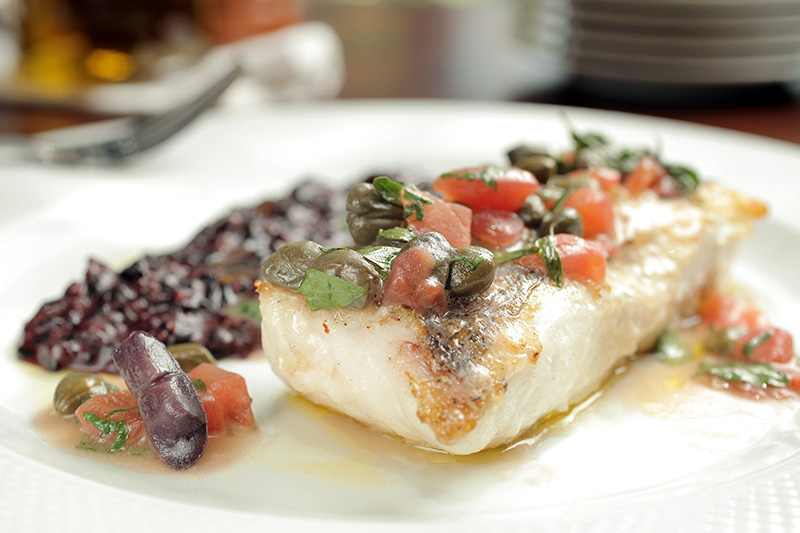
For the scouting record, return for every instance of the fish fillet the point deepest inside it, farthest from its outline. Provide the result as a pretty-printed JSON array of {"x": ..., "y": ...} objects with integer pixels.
[{"x": 493, "y": 365}]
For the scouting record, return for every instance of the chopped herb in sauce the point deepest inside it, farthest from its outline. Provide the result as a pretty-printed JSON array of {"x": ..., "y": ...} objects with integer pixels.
[
  {"x": 324, "y": 291},
  {"x": 672, "y": 348},
  {"x": 381, "y": 258},
  {"x": 488, "y": 176},
  {"x": 398, "y": 234},
  {"x": 759, "y": 374},
  {"x": 107, "y": 427},
  {"x": 755, "y": 342}
]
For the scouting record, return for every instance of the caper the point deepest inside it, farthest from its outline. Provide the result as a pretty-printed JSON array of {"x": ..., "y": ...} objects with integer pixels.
[
  {"x": 189, "y": 355},
  {"x": 589, "y": 158},
  {"x": 287, "y": 266},
  {"x": 439, "y": 247},
  {"x": 541, "y": 166},
  {"x": 472, "y": 270},
  {"x": 77, "y": 387},
  {"x": 522, "y": 151},
  {"x": 722, "y": 341},
  {"x": 533, "y": 211},
  {"x": 351, "y": 266},
  {"x": 368, "y": 213},
  {"x": 566, "y": 220}
]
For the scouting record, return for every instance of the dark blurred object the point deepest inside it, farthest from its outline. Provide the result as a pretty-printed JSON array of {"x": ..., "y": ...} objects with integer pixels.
[{"x": 66, "y": 44}]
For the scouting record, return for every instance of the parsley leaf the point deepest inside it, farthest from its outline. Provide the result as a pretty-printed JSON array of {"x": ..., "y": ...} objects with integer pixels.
[
  {"x": 398, "y": 234},
  {"x": 324, "y": 291},
  {"x": 107, "y": 427},
  {"x": 390, "y": 190},
  {"x": 545, "y": 248},
  {"x": 755, "y": 342},
  {"x": 200, "y": 385},
  {"x": 685, "y": 178},
  {"x": 552, "y": 261},
  {"x": 471, "y": 265},
  {"x": 417, "y": 200},
  {"x": 759, "y": 374},
  {"x": 488, "y": 176},
  {"x": 672, "y": 348},
  {"x": 381, "y": 258}
]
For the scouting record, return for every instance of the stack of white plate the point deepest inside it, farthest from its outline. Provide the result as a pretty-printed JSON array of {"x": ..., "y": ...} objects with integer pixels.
[{"x": 671, "y": 41}]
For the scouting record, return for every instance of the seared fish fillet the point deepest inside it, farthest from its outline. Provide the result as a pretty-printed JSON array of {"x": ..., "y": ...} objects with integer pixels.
[{"x": 495, "y": 364}]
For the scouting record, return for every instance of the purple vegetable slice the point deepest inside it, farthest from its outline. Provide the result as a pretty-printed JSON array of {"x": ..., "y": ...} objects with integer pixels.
[{"x": 172, "y": 412}]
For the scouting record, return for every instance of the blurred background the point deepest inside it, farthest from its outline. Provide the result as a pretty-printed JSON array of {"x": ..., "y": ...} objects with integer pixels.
[{"x": 728, "y": 63}]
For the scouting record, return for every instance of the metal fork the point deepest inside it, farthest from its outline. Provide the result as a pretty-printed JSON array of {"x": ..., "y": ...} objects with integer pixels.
[{"x": 117, "y": 140}]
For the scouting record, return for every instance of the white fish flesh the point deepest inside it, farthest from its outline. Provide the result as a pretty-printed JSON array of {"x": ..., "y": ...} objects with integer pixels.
[{"x": 495, "y": 364}]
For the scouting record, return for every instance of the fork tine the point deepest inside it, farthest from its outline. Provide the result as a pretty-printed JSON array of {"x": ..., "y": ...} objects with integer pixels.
[
  {"x": 153, "y": 130},
  {"x": 136, "y": 136}
]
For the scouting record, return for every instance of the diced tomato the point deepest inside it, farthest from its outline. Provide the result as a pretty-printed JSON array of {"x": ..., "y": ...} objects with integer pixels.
[
  {"x": 724, "y": 311},
  {"x": 647, "y": 174},
  {"x": 595, "y": 209},
  {"x": 452, "y": 220},
  {"x": 215, "y": 415},
  {"x": 229, "y": 389},
  {"x": 765, "y": 345},
  {"x": 794, "y": 379},
  {"x": 488, "y": 187},
  {"x": 580, "y": 259},
  {"x": 411, "y": 284},
  {"x": 496, "y": 228},
  {"x": 608, "y": 178},
  {"x": 123, "y": 408}
]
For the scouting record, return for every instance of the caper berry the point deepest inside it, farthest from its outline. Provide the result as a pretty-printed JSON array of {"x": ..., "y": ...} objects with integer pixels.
[
  {"x": 77, "y": 387},
  {"x": 368, "y": 213},
  {"x": 472, "y": 270},
  {"x": 189, "y": 355},
  {"x": 439, "y": 247},
  {"x": 533, "y": 211},
  {"x": 287, "y": 266},
  {"x": 566, "y": 220},
  {"x": 351, "y": 266},
  {"x": 541, "y": 166}
]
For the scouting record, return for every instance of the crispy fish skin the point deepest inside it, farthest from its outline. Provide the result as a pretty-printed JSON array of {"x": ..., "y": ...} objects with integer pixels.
[{"x": 495, "y": 364}]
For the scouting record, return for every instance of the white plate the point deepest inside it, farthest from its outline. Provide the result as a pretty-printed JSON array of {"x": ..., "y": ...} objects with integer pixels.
[{"x": 641, "y": 458}]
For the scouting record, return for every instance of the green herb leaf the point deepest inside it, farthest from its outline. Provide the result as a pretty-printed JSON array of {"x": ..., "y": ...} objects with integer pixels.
[
  {"x": 390, "y": 190},
  {"x": 552, "y": 260},
  {"x": 398, "y": 234},
  {"x": 563, "y": 198},
  {"x": 672, "y": 348},
  {"x": 200, "y": 385},
  {"x": 417, "y": 200},
  {"x": 545, "y": 247},
  {"x": 324, "y": 291},
  {"x": 759, "y": 374},
  {"x": 755, "y": 342},
  {"x": 591, "y": 140},
  {"x": 86, "y": 444},
  {"x": 501, "y": 257},
  {"x": 471, "y": 265},
  {"x": 107, "y": 427},
  {"x": 685, "y": 178},
  {"x": 246, "y": 309},
  {"x": 381, "y": 257},
  {"x": 488, "y": 175}
]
